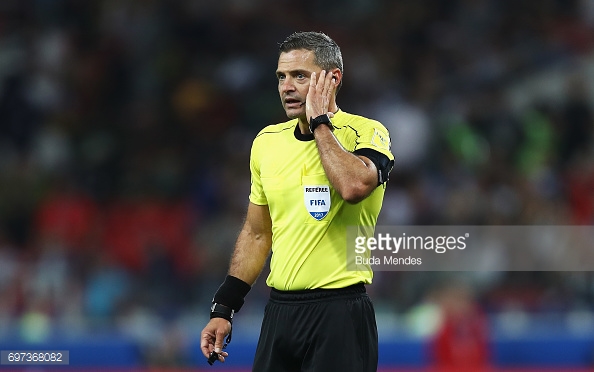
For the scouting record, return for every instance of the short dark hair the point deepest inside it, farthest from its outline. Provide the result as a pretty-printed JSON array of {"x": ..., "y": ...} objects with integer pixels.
[{"x": 326, "y": 52}]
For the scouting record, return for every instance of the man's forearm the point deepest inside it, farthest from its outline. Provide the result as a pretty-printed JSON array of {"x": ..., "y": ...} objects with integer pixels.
[
  {"x": 353, "y": 177},
  {"x": 249, "y": 256}
]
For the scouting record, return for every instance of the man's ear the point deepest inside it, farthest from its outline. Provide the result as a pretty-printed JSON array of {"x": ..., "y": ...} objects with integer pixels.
[{"x": 336, "y": 75}]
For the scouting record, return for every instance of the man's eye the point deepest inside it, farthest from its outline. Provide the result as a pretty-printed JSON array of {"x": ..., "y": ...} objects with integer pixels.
[{"x": 300, "y": 76}]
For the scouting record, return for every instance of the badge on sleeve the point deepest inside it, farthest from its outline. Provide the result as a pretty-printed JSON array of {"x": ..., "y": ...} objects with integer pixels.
[
  {"x": 380, "y": 140},
  {"x": 317, "y": 200}
]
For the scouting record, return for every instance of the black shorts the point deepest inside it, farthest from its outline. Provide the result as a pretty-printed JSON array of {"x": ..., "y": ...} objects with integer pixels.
[{"x": 318, "y": 330}]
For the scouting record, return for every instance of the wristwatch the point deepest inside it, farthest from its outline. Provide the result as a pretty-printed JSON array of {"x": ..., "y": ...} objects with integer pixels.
[{"x": 317, "y": 121}]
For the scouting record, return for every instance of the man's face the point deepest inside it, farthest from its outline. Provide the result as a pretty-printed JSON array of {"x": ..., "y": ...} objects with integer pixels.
[{"x": 293, "y": 73}]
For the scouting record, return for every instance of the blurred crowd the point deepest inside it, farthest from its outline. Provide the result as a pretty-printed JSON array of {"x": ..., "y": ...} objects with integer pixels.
[{"x": 125, "y": 129}]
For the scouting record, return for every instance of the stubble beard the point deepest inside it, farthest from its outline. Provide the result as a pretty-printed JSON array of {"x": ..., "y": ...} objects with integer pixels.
[{"x": 295, "y": 114}]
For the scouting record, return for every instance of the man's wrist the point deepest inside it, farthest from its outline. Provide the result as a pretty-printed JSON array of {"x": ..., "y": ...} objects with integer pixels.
[
  {"x": 315, "y": 122},
  {"x": 221, "y": 311},
  {"x": 231, "y": 293}
]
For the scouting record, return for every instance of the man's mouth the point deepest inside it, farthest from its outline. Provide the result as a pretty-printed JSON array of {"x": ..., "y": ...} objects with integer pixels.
[{"x": 293, "y": 103}]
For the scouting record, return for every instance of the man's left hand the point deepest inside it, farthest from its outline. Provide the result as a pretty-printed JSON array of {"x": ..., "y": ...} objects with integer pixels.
[{"x": 319, "y": 95}]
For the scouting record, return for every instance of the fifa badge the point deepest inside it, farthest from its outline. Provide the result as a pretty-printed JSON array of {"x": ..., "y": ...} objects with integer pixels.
[{"x": 317, "y": 200}]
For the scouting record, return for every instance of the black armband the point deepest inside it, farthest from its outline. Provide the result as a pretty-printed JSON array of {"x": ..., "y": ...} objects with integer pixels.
[
  {"x": 231, "y": 293},
  {"x": 383, "y": 164}
]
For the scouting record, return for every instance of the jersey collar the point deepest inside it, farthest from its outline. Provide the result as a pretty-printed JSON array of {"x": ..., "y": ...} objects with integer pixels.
[{"x": 302, "y": 137}]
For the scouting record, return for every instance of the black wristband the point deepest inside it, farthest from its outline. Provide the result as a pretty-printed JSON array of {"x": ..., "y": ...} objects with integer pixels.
[
  {"x": 221, "y": 311},
  {"x": 231, "y": 293}
]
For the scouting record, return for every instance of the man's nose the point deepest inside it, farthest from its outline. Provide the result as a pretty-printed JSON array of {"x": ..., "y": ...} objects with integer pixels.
[{"x": 287, "y": 85}]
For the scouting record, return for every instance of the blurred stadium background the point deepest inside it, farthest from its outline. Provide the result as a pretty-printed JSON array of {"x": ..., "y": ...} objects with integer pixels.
[{"x": 125, "y": 128}]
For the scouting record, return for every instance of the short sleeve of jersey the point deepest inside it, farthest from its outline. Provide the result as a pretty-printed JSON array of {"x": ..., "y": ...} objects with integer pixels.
[
  {"x": 257, "y": 195},
  {"x": 373, "y": 135}
]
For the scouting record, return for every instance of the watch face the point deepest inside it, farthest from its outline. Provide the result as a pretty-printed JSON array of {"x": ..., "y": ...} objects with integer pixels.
[{"x": 213, "y": 307}]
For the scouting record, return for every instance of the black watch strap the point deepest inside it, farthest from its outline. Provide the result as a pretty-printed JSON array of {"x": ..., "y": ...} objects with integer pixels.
[{"x": 319, "y": 120}]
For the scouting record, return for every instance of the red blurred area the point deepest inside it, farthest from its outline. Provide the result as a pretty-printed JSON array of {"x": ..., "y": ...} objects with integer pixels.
[
  {"x": 135, "y": 230},
  {"x": 130, "y": 230},
  {"x": 461, "y": 342},
  {"x": 69, "y": 217}
]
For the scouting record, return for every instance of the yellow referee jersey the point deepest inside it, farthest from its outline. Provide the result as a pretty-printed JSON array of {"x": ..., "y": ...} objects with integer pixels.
[{"x": 309, "y": 218}]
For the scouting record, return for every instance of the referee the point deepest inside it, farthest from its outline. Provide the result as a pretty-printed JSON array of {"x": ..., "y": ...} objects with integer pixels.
[{"x": 312, "y": 177}]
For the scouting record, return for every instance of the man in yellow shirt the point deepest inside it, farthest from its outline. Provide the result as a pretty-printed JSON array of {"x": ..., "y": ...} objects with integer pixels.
[{"x": 312, "y": 177}]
